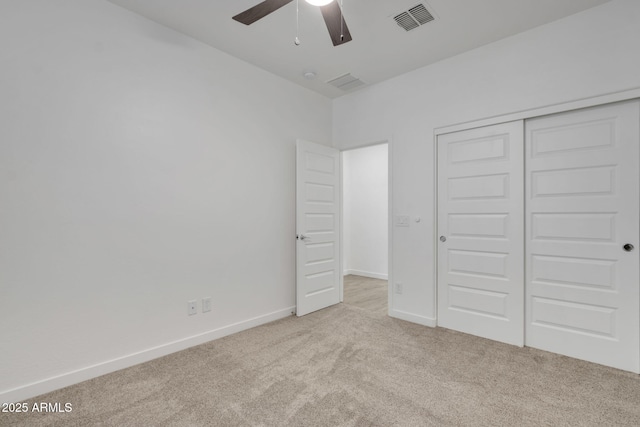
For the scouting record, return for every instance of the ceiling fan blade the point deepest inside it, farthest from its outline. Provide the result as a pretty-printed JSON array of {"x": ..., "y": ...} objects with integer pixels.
[
  {"x": 260, "y": 10},
  {"x": 336, "y": 25}
]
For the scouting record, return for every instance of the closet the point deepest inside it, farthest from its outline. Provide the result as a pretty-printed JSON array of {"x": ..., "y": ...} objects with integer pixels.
[{"x": 538, "y": 226}]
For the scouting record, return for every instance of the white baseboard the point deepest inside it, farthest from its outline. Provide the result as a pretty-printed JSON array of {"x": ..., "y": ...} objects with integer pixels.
[
  {"x": 367, "y": 274},
  {"x": 87, "y": 373},
  {"x": 413, "y": 318}
]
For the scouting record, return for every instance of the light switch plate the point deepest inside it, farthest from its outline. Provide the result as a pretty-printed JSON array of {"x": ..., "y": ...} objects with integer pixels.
[
  {"x": 399, "y": 288},
  {"x": 206, "y": 304},
  {"x": 402, "y": 220}
]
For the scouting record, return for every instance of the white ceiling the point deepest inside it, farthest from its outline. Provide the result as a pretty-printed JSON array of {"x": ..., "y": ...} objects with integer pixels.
[{"x": 380, "y": 49}]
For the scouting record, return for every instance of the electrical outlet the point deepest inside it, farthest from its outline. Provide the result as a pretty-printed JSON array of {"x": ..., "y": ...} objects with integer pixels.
[
  {"x": 399, "y": 288},
  {"x": 206, "y": 304},
  {"x": 192, "y": 307}
]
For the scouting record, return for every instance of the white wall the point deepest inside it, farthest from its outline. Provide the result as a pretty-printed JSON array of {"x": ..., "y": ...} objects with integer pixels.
[
  {"x": 139, "y": 169},
  {"x": 366, "y": 210},
  {"x": 592, "y": 53}
]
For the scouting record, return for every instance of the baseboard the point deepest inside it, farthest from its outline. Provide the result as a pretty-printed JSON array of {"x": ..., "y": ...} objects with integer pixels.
[
  {"x": 367, "y": 274},
  {"x": 80, "y": 375},
  {"x": 413, "y": 318}
]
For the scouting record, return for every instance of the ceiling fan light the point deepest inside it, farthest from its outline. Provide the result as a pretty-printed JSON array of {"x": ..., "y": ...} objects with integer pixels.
[{"x": 319, "y": 2}]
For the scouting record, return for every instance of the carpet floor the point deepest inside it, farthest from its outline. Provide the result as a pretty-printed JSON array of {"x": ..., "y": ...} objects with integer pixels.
[
  {"x": 367, "y": 293},
  {"x": 349, "y": 366}
]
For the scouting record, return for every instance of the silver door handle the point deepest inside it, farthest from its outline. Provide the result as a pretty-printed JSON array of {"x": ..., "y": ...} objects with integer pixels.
[
  {"x": 303, "y": 237},
  {"x": 443, "y": 239}
]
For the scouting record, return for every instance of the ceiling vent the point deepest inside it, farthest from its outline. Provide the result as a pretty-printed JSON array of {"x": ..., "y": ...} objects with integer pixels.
[
  {"x": 346, "y": 82},
  {"x": 414, "y": 17}
]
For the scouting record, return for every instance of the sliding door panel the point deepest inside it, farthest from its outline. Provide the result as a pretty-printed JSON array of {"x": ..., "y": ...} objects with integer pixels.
[
  {"x": 480, "y": 221},
  {"x": 582, "y": 297}
]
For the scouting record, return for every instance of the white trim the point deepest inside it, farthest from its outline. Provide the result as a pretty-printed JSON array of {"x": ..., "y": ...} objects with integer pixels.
[
  {"x": 99, "y": 369},
  {"x": 413, "y": 318},
  {"x": 390, "y": 234},
  {"x": 341, "y": 219},
  {"x": 624, "y": 95},
  {"x": 367, "y": 274},
  {"x": 436, "y": 230}
]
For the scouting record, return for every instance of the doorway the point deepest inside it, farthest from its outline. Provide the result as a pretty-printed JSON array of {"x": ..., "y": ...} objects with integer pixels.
[{"x": 365, "y": 238}]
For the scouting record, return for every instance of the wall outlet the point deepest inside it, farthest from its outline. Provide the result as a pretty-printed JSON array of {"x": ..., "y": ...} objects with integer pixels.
[
  {"x": 192, "y": 307},
  {"x": 398, "y": 288},
  {"x": 206, "y": 304}
]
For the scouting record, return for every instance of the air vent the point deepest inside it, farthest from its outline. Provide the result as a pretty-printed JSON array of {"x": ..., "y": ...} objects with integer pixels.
[
  {"x": 406, "y": 21},
  {"x": 414, "y": 17},
  {"x": 346, "y": 82}
]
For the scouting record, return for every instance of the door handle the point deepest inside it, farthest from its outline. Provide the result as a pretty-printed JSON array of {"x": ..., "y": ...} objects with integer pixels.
[
  {"x": 443, "y": 239},
  {"x": 303, "y": 237},
  {"x": 628, "y": 247}
]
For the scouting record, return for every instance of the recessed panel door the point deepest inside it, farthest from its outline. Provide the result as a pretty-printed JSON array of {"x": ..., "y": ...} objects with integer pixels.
[
  {"x": 480, "y": 227},
  {"x": 582, "y": 234},
  {"x": 318, "y": 227}
]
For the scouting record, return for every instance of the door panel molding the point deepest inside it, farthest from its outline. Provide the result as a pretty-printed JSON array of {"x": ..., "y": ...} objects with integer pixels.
[
  {"x": 481, "y": 254},
  {"x": 582, "y": 206},
  {"x": 318, "y": 215}
]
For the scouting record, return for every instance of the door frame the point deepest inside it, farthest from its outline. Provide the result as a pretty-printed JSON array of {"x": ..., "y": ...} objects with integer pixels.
[
  {"x": 594, "y": 101},
  {"x": 387, "y": 141}
]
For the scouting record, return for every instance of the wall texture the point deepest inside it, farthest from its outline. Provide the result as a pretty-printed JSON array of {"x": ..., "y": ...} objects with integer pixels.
[
  {"x": 366, "y": 210},
  {"x": 139, "y": 169},
  {"x": 588, "y": 54}
]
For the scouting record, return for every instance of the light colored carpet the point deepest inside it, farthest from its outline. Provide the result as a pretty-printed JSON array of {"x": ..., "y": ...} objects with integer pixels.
[
  {"x": 348, "y": 366},
  {"x": 367, "y": 293}
]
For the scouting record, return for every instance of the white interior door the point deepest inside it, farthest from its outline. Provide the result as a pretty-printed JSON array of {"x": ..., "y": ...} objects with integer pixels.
[
  {"x": 480, "y": 221},
  {"x": 318, "y": 273},
  {"x": 582, "y": 209}
]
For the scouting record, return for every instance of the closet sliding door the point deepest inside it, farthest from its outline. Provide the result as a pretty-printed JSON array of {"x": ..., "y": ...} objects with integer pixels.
[
  {"x": 582, "y": 234},
  {"x": 539, "y": 227},
  {"x": 480, "y": 226}
]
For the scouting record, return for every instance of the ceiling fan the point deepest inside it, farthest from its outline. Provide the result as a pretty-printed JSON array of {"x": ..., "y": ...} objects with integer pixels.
[{"x": 331, "y": 12}]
